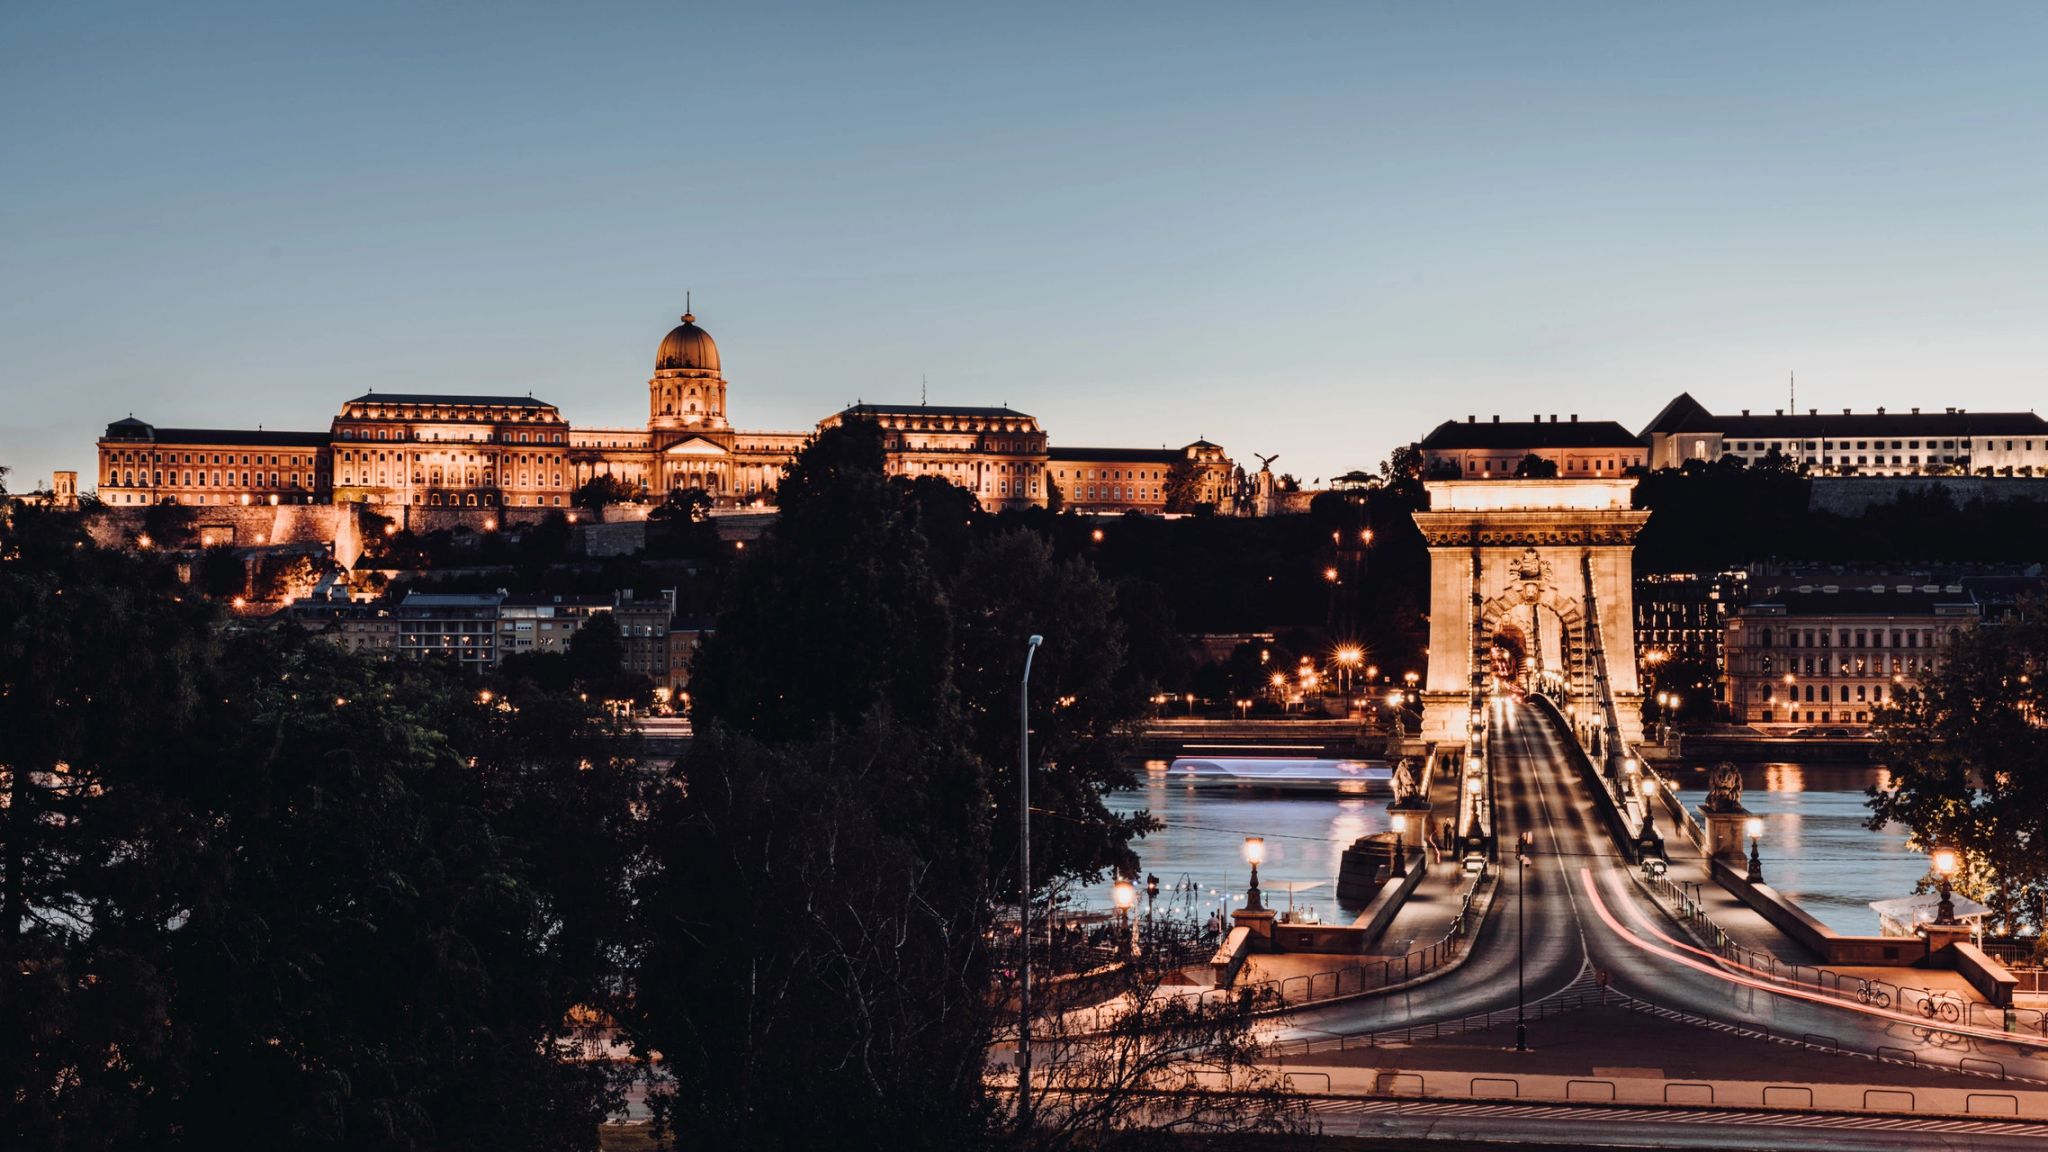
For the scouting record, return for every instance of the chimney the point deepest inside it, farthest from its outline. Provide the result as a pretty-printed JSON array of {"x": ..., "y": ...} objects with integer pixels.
[
  {"x": 1880, "y": 410},
  {"x": 1575, "y": 417},
  {"x": 1496, "y": 418},
  {"x": 1916, "y": 411},
  {"x": 1813, "y": 411},
  {"x": 1745, "y": 412},
  {"x": 1538, "y": 418},
  {"x": 1845, "y": 411},
  {"x": 1781, "y": 411},
  {"x": 1553, "y": 417},
  {"x": 1471, "y": 419}
]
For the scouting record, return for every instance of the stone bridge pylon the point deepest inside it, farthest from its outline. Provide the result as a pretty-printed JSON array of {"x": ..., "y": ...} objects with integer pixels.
[{"x": 1526, "y": 576}]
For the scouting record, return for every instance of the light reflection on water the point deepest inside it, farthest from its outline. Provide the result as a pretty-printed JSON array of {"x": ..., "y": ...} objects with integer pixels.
[{"x": 1815, "y": 846}]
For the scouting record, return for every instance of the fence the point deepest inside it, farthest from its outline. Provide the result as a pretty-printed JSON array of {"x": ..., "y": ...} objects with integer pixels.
[
  {"x": 1913, "y": 1004},
  {"x": 1369, "y": 975}
]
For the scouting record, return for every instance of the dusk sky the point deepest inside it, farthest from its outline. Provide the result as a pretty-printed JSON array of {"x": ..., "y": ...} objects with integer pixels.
[{"x": 1303, "y": 229}]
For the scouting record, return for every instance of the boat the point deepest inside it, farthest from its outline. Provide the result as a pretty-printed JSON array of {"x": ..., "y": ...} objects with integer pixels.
[{"x": 1339, "y": 775}]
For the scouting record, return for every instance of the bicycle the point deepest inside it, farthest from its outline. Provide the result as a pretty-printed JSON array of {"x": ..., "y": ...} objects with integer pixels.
[
  {"x": 1940, "y": 1005},
  {"x": 1873, "y": 995}
]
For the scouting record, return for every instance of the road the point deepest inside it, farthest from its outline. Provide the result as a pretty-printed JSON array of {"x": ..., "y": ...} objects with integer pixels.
[{"x": 1582, "y": 913}]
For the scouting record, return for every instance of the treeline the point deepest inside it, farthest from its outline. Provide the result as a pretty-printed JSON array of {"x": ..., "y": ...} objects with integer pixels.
[
  {"x": 1724, "y": 514},
  {"x": 259, "y": 892}
]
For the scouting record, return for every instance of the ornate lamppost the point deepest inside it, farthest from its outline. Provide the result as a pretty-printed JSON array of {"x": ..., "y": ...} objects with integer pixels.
[
  {"x": 1946, "y": 863},
  {"x": 1254, "y": 851},
  {"x": 1755, "y": 828}
]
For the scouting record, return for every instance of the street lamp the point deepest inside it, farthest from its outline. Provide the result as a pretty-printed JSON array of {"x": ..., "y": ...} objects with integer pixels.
[
  {"x": 1151, "y": 898},
  {"x": 1123, "y": 895},
  {"x": 1024, "y": 886},
  {"x": 1522, "y": 862},
  {"x": 1755, "y": 828},
  {"x": 1254, "y": 851},
  {"x": 1400, "y": 845},
  {"x": 1946, "y": 862}
]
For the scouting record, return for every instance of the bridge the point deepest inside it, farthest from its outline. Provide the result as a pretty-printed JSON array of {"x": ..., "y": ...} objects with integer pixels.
[{"x": 1613, "y": 894}]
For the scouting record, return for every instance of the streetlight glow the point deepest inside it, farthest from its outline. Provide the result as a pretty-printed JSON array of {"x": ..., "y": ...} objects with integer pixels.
[{"x": 1255, "y": 850}]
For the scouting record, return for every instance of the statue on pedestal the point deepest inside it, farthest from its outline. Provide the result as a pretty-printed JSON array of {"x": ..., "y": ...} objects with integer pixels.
[
  {"x": 1724, "y": 789},
  {"x": 1407, "y": 791}
]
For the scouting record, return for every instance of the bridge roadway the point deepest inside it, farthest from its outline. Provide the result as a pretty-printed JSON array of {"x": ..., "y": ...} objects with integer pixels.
[{"x": 1584, "y": 914}]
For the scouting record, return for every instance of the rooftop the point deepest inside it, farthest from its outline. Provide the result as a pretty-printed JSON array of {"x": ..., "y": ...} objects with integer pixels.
[
  {"x": 1120, "y": 455},
  {"x": 453, "y": 401},
  {"x": 1498, "y": 435},
  {"x": 931, "y": 410},
  {"x": 1685, "y": 414}
]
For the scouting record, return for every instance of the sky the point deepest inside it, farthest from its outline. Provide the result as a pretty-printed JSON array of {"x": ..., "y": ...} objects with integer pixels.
[{"x": 1316, "y": 230}]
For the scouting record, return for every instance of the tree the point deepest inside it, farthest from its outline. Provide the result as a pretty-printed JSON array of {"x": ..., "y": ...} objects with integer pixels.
[
  {"x": 103, "y": 658},
  {"x": 1146, "y": 1062},
  {"x": 1055, "y": 497},
  {"x": 1087, "y": 703},
  {"x": 168, "y": 524},
  {"x": 1183, "y": 487},
  {"x": 812, "y": 964},
  {"x": 1534, "y": 467},
  {"x": 684, "y": 505},
  {"x": 1964, "y": 745},
  {"x": 220, "y": 573},
  {"x": 597, "y": 492},
  {"x": 836, "y": 611},
  {"x": 265, "y": 893}
]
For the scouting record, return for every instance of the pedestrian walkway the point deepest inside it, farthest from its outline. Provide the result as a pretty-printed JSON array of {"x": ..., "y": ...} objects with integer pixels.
[
  {"x": 1426, "y": 917},
  {"x": 1743, "y": 925}
]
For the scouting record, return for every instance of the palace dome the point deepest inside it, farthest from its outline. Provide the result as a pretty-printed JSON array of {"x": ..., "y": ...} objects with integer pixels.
[{"x": 687, "y": 347}]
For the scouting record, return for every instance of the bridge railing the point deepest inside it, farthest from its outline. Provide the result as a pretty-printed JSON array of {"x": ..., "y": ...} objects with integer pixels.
[
  {"x": 1370, "y": 974},
  {"x": 1935, "y": 1006}
]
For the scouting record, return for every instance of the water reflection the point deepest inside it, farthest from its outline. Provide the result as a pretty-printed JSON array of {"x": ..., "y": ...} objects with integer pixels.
[{"x": 1815, "y": 846}]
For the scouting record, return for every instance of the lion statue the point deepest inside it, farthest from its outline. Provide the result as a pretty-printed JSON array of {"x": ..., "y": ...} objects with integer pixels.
[{"x": 1724, "y": 788}]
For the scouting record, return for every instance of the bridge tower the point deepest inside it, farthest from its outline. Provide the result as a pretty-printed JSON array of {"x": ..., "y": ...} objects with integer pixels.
[{"x": 1531, "y": 579}]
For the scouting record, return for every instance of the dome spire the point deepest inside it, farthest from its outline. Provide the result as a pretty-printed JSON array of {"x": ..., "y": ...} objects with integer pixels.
[{"x": 688, "y": 312}]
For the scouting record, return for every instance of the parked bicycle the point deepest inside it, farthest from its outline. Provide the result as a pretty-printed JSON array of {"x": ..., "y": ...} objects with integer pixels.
[
  {"x": 1940, "y": 1006},
  {"x": 1873, "y": 995}
]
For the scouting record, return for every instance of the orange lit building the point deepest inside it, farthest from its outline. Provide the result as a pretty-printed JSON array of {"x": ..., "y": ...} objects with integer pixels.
[{"x": 435, "y": 451}]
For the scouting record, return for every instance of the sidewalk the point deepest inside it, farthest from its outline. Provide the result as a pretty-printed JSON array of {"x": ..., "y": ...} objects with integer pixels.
[
  {"x": 1426, "y": 917},
  {"x": 1744, "y": 926}
]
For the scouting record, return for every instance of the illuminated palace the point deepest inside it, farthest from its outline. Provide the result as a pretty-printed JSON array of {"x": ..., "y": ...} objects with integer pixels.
[{"x": 417, "y": 450}]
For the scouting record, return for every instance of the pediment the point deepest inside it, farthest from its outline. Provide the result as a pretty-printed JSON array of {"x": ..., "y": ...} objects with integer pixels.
[{"x": 695, "y": 446}]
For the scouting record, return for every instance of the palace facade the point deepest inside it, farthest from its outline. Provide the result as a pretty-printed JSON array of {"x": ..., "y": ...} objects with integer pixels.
[{"x": 421, "y": 450}]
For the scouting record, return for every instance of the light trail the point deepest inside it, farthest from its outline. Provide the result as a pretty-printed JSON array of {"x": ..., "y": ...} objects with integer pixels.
[{"x": 1778, "y": 989}]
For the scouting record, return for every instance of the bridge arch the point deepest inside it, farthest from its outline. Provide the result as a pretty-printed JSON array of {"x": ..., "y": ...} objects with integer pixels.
[{"x": 1553, "y": 559}]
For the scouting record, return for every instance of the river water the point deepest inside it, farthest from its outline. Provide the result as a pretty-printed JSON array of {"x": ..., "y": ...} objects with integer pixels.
[{"x": 1815, "y": 846}]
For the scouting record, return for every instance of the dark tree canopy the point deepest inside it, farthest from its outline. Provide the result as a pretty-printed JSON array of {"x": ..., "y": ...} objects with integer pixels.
[
  {"x": 1534, "y": 467},
  {"x": 1965, "y": 746}
]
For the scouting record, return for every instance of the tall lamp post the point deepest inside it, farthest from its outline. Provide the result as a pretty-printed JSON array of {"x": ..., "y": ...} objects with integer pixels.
[
  {"x": 1123, "y": 895},
  {"x": 1151, "y": 898},
  {"x": 1755, "y": 828},
  {"x": 1522, "y": 862},
  {"x": 1400, "y": 825},
  {"x": 1024, "y": 886}
]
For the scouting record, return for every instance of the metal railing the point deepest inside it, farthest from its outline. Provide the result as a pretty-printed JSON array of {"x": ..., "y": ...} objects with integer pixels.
[
  {"x": 1269, "y": 997},
  {"x": 1920, "y": 1006},
  {"x": 1570, "y": 1001}
]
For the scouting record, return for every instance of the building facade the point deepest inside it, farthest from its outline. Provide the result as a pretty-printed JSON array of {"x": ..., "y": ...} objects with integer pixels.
[
  {"x": 1495, "y": 450},
  {"x": 1834, "y": 654},
  {"x": 397, "y": 451},
  {"x": 1952, "y": 442}
]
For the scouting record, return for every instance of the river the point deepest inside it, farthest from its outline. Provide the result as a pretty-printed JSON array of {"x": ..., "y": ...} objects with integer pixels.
[{"x": 1815, "y": 846}]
